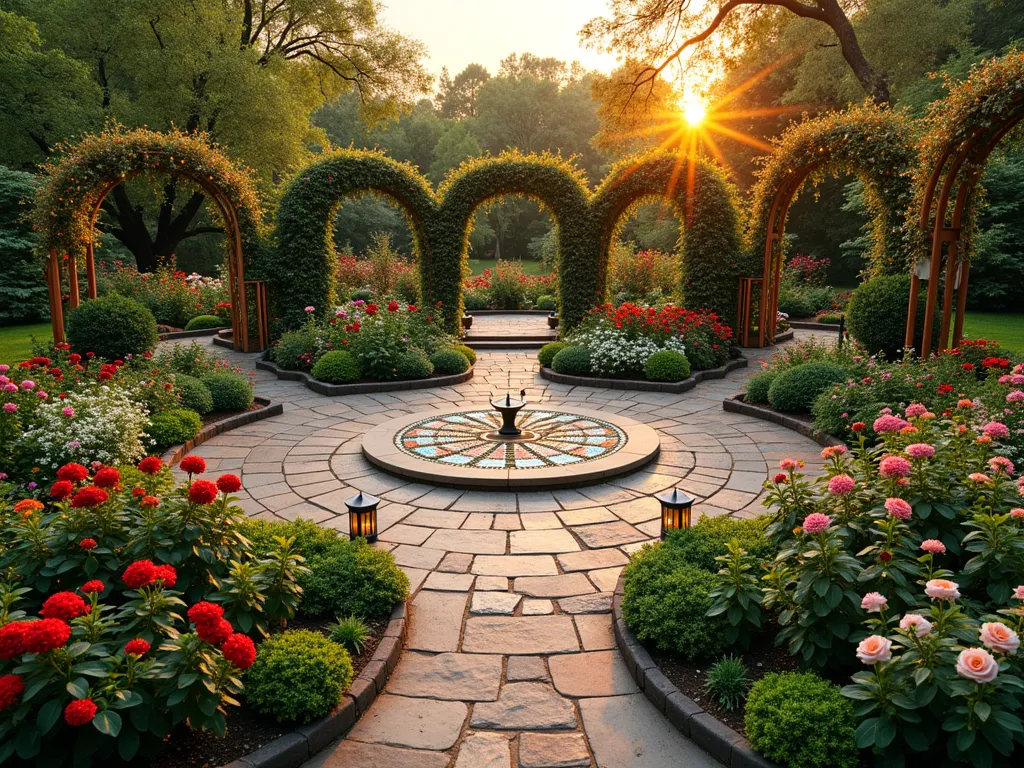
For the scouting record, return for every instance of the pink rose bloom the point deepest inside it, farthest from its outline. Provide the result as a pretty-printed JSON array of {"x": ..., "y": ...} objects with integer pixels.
[
  {"x": 998, "y": 637},
  {"x": 41, "y": 395},
  {"x": 898, "y": 508},
  {"x": 68, "y": 411},
  {"x": 977, "y": 664},
  {"x": 10, "y": 407},
  {"x": 942, "y": 589},
  {"x": 874, "y": 602},
  {"x": 874, "y": 649},
  {"x": 915, "y": 409},
  {"x": 10, "y": 387},
  {"x": 816, "y": 522},
  {"x": 920, "y": 624},
  {"x": 979, "y": 477},
  {"x": 1001, "y": 463},
  {"x": 1015, "y": 397},
  {"x": 28, "y": 384},
  {"x": 894, "y": 466},
  {"x": 789, "y": 464},
  {"x": 933, "y": 546},
  {"x": 920, "y": 451},
  {"x": 4, "y": 368},
  {"x": 310, "y": 309},
  {"x": 1017, "y": 379},
  {"x": 1018, "y": 592},
  {"x": 996, "y": 429},
  {"x": 1017, "y": 513},
  {"x": 888, "y": 423},
  {"x": 840, "y": 485}
]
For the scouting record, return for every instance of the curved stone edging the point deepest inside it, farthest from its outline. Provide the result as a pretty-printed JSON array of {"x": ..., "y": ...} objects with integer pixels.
[
  {"x": 173, "y": 454},
  {"x": 172, "y": 335},
  {"x": 784, "y": 336},
  {"x": 335, "y": 390},
  {"x": 736, "y": 404},
  {"x": 703, "y": 729},
  {"x": 294, "y": 748},
  {"x": 810, "y": 325},
  {"x": 673, "y": 387}
]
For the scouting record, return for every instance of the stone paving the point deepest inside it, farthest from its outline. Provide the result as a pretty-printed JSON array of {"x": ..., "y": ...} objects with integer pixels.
[
  {"x": 531, "y": 326},
  {"x": 510, "y": 659}
]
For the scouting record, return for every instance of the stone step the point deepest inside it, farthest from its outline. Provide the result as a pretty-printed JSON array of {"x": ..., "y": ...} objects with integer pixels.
[{"x": 506, "y": 344}]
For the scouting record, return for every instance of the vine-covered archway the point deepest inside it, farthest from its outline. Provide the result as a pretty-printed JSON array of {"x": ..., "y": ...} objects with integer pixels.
[
  {"x": 68, "y": 204},
  {"x": 963, "y": 130},
  {"x": 876, "y": 144}
]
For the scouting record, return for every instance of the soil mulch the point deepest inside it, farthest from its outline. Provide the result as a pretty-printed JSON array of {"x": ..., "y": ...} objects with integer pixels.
[
  {"x": 248, "y": 730},
  {"x": 690, "y": 677}
]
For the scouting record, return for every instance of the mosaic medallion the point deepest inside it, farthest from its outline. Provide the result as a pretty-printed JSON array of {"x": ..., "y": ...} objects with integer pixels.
[{"x": 549, "y": 439}]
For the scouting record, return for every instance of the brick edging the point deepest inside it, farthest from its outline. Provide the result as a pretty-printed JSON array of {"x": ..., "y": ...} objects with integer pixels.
[
  {"x": 736, "y": 404},
  {"x": 703, "y": 729},
  {"x": 172, "y": 335},
  {"x": 813, "y": 325},
  {"x": 362, "y": 388},
  {"x": 672, "y": 387},
  {"x": 173, "y": 454},
  {"x": 294, "y": 748}
]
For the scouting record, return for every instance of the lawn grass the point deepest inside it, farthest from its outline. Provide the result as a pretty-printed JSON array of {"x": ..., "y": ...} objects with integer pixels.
[
  {"x": 16, "y": 341},
  {"x": 529, "y": 267},
  {"x": 1007, "y": 329}
]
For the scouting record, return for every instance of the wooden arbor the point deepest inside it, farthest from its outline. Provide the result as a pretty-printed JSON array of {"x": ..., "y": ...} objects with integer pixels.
[
  {"x": 69, "y": 203},
  {"x": 972, "y": 121}
]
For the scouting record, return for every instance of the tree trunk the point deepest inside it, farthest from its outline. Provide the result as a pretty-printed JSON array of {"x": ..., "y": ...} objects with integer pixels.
[{"x": 871, "y": 81}]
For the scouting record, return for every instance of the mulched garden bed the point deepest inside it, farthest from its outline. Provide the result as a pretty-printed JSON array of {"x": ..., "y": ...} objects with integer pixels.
[
  {"x": 213, "y": 416},
  {"x": 247, "y": 730}
]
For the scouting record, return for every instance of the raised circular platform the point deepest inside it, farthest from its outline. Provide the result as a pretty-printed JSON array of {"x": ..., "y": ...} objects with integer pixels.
[{"x": 560, "y": 447}]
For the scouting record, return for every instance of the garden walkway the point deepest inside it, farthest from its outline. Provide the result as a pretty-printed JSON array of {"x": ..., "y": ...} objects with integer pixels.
[{"x": 510, "y": 659}]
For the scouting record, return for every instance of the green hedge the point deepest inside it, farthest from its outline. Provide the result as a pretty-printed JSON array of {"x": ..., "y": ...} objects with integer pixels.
[
  {"x": 572, "y": 361},
  {"x": 876, "y": 315},
  {"x": 337, "y": 367},
  {"x": 353, "y": 578},
  {"x": 204, "y": 322},
  {"x": 547, "y": 353},
  {"x": 667, "y": 365},
  {"x": 796, "y": 388},
  {"x": 112, "y": 326},
  {"x": 707, "y": 539},
  {"x": 448, "y": 362}
]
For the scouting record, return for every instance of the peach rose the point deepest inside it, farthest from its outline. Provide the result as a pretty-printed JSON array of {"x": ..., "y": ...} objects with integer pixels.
[
  {"x": 998, "y": 637},
  {"x": 942, "y": 589},
  {"x": 921, "y": 625},
  {"x": 873, "y": 602},
  {"x": 977, "y": 664},
  {"x": 874, "y": 649},
  {"x": 1018, "y": 592}
]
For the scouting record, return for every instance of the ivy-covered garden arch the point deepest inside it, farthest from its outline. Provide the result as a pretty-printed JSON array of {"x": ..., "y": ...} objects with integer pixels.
[
  {"x": 876, "y": 144},
  {"x": 963, "y": 130},
  {"x": 68, "y": 204}
]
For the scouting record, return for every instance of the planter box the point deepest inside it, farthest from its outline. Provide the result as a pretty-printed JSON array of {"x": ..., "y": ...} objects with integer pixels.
[
  {"x": 642, "y": 385},
  {"x": 467, "y": 321},
  {"x": 552, "y": 321},
  {"x": 363, "y": 387}
]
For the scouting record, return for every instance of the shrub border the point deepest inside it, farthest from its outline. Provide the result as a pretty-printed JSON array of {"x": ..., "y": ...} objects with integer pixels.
[
  {"x": 175, "y": 453},
  {"x": 294, "y": 748},
  {"x": 362, "y": 388},
  {"x": 736, "y": 404},
  {"x": 671, "y": 387},
  {"x": 703, "y": 729}
]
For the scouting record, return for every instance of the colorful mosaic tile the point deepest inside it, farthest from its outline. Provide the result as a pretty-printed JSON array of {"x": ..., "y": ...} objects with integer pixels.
[{"x": 561, "y": 439}]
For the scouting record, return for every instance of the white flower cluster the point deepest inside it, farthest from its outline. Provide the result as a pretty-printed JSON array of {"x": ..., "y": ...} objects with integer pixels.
[
  {"x": 613, "y": 353},
  {"x": 106, "y": 426}
]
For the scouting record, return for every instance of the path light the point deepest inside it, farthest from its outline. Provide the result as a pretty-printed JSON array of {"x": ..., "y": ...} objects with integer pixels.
[
  {"x": 362, "y": 516},
  {"x": 675, "y": 510}
]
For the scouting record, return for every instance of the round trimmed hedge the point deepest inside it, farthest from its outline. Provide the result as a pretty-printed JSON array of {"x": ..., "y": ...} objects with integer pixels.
[
  {"x": 193, "y": 394},
  {"x": 173, "y": 426},
  {"x": 414, "y": 364},
  {"x": 548, "y": 351},
  {"x": 112, "y": 327},
  {"x": 758, "y": 386},
  {"x": 796, "y": 388},
  {"x": 337, "y": 367},
  {"x": 876, "y": 315},
  {"x": 230, "y": 391},
  {"x": 448, "y": 362},
  {"x": 467, "y": 351},
  {"x": 572, "y": 361},
  {"x": 667, "y": 365},
  {"x": 204, "y": 322}
]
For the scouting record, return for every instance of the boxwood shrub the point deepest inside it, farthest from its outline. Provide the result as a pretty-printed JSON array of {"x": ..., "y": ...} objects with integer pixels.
[
  {"x": 173, "y": 426},
  {"x": 230, "y": 391},
  {"x": 572, "y": 361},
  {"x": 448, "y": 362},
  {"x": 311, "y": 540},
  {"x": 414, "y": 364},
  {"x": 204, "y": 322},
  {"x": 667, "y": 365},
  {"x": 193, "y": 394},
  {"x": 548, "y": 351},
  {"x": 467, "y": 351},
  {"x": 337, "y": 367},
  {"x": 795, "y": 388},
  {"x": 801, "y": 721},
  {"x": 876, "y": 315},
  {"x": 112, "y": 327},
  {"x": 700, "y": 544},
  {"x": 758, "y": 385},
  {"x": 298, "y": 676},
  {"x": 353, "y": 578},
  {"x": 546, "y": 302}
]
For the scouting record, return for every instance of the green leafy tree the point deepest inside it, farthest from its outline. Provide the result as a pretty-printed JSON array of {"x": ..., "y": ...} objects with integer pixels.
[
  {"x": 456, "y": 97},
  {"x": 23, "y": 294}
]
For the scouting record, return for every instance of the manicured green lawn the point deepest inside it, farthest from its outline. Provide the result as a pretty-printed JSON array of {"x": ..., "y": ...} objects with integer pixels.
[
  {"x": 529, "y": 267},
  {"x": 16, "y": 341},
  {"x": 1007, "y": 329}
]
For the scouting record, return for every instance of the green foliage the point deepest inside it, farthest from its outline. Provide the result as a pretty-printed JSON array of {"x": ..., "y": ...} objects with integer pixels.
[
  {"x": 700, "y": 544},
  {"x": 310, "y": 539},
  {"x": 111, "y": 326},
  {"x": 726, "y": 682},
  {"x": 204, "y": 322},
  {"x": 547, "y": 303},
  {"x": 667, "y": 365},
  {"x": 877, "y": 315},
  {"x": 23, "y": 292},
  {"x": 467, "y": 351},
  {"x": 758, "y": 386},
  {"x": 295, "y": 350},
  {"x": 801, "y": 721},
  {"x": 230, "y": 391},
  {"x": 474, "y": 299},
  {"x": 795, "y": 303},
  {"x": 337, "y": 367},
  {"x": 298, "y": 676},
  {"x": 193, "y": 394},
  {"x": 547, "y": 353},
  {"x": 572, "y": 361},
  {"x": 449, "y": 361},
  {"x": 173, "y": 426},
  {"x": 796, "y": 388},
  {"x": 193, "y": 359},
  {"x": 414, "y": 364},
  {"x": 666, "y": 602},
  {"x": 353, "y": 578},
  {"x": 351, "y": 633}
]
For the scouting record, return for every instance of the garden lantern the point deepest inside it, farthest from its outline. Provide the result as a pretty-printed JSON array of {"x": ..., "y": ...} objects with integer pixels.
[
  {"x": 675, "y": 510},
  {"x": 362, "y": 516}
]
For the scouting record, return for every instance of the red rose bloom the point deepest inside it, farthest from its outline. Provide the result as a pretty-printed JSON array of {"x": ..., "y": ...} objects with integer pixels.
[
  {"x": 11, "y": 687},
  {"x": 89, "y": 496},
  {"x": 885, "y": 557},
  {"x": 392, "y": 306},
  {"x": 150, "y": 501},
  {"x": 202, "y": 492},
  {"x": 858, "y": 426},
  {"x": 64, "y": 605},
  {"x": 781, "y": 477},
  {"x": 167, "y": 575},
  {"x": 61, "y": 489},
  {"x": 95, "y": 586},
  {"x": 239, "y": 650},
  {"x": 229, "y": 483},
  {"x": 205, "y": 613},
  {"x": 137, "y": 647},
  {"x": 137, "y": 492},
  {"x": 139, "y": 574},
  {"x": 150, "y": 465},
  {"x": 73, "y": 473},
  {"x": 371, "y": 309},
  {"x": 105, "y": 375},
  {"x": 193, "y": 465},
  {"x": 80, "y": 712},
  {"x": 108, "y": 477},
  {"x": 216, "y": 632},
  {"x": 45, "y": 635},
  {"x": 87, "y": 544},
  {"x": 12, "y": 639}
]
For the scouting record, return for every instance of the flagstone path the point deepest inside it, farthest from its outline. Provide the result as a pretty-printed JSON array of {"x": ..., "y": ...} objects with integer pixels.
[{"x": 510, "y": 659}]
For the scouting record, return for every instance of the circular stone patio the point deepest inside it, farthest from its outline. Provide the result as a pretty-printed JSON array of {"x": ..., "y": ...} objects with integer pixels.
[{"x": 510, "y": 659}]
